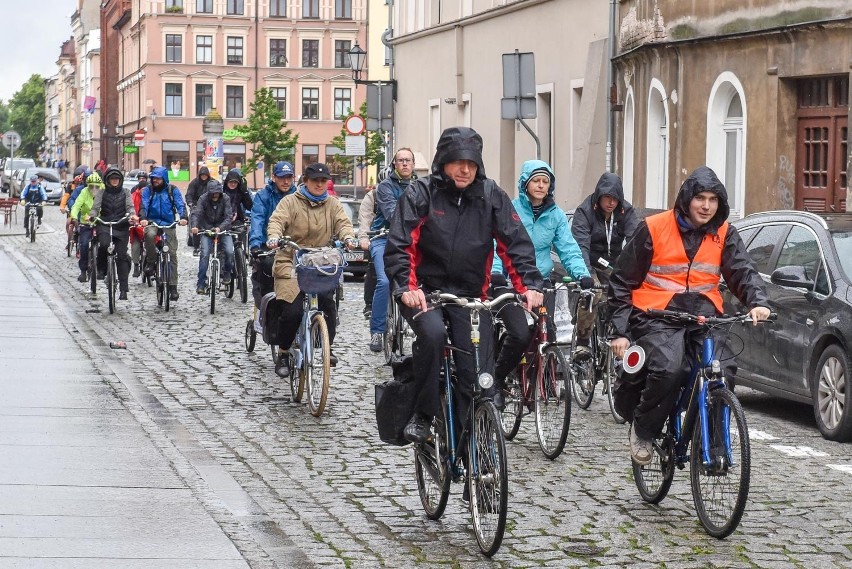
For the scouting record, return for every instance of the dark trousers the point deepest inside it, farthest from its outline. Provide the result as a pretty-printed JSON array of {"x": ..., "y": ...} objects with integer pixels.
[
  {"x": 518, "y": 333},
  {"x": 370, "y": 282},
  {"x": 122, "y": 259},
  {"x": 290, "y": 317},
  {"x": 84, "y": 236},
  {"x": 429, "y": 351},
  {"x": 262, "y": 282}
]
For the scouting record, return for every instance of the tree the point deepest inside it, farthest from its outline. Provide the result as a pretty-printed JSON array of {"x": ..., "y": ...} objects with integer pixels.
[
  {"x": 4, "y": 126},
  {"x": 267, "y": 132},
  {"x": 375, "y": 147},
  {"x": 26, "y": 115}
]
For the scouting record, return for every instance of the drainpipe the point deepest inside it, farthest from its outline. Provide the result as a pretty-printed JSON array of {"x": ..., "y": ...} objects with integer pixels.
[
  {"x": 256, "y": 72},
  {"x": 610, "y": 77},
  {"x": 387, "y": 36}
]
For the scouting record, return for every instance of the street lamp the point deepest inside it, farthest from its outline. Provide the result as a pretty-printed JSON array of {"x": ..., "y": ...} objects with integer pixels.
[
  {"x": 357, "y": 58},
  {"x": 154, "y": 119}
]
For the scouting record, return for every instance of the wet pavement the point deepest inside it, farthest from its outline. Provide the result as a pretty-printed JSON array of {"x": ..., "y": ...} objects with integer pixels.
[{"x": 186, "y": 407}]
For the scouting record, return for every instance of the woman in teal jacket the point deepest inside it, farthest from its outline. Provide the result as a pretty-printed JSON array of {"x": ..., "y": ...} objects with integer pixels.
[{"x": 548, "y": 228}]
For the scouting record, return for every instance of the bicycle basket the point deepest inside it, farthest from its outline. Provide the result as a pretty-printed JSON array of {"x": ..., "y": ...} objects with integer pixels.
[{"x": 319, "y": 271}]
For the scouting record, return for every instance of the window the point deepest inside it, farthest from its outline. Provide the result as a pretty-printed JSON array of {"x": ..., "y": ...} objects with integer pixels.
[
  {"x": 310, "y": 53},
  {"x": 726, "y": 138},
  {"x": 233, "y": 101},
  {"x": 310, "y": 9},
  {"x": 204, "y": 49},
  {"x": 277, "y": 53},
  {"x": 310, "y": 154},
  {"x": 341, "y": 53},
  {"x": 174, "y": 48},
  {"x": 657, "y": 165},
  {"x": 310, "y": 103},
  {"x": 343, "y": 9},
  {"x": 761, "y": 247},
  {"x": 342, "y": 102},
  {"x": 629, "y": 146},
  {"x": 174, "y": 99},
  {"x": 176, "y": 159},
  {"x": 801, "y": 249},
  {"x": 278, "y": 8},
  {"x": 204, "y": 6},
  {"x": 203, "y": 99},
  {"x": 235, "y": 51},
  {"x": 235, "y": 8},
  {"x": 279, "y": 94},
  {"x": 174, "y": 5}
]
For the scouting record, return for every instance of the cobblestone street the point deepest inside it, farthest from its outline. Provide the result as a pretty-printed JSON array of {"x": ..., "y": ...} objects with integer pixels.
[{"x": 291, "y": 490}]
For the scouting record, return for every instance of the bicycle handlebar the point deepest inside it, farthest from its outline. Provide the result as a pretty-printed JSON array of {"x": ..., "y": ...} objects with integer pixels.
[
  {"x": 686, "y": 317},
  {"x": 441, "y": 298},
  {"x": 100, "y": 221},
  {"x": 158, "y": 226}
]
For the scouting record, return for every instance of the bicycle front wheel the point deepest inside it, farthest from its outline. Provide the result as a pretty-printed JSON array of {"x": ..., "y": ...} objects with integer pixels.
[
  {"x": 553, "y": 403},
  {"x": 250, "y": 336},
  {"x": 609, "y": 381},
  {"x": 488, "y": 478},
  {"x": 513, "y": 412},
  {"x": 433, "y": 472},
  {"x": 655, "y": 479},
  {"x": 389, "y": 342},
  {"x": 110, "y": 283},
  {"x": 93, "y": 264},
  {"x": 240, "y": 274},
  {"x": 720, "y": 489},
  {"x": 583, "y": 381},
  {"x": 166, "y": 271},
  {"x": 319, "y": 365}
]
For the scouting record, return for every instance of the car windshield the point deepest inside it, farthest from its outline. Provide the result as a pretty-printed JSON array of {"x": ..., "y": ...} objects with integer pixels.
[{"x": 843, "y": 244}]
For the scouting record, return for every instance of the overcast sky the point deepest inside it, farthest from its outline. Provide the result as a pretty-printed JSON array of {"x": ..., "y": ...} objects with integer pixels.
[{"x": 30, "y": 40}]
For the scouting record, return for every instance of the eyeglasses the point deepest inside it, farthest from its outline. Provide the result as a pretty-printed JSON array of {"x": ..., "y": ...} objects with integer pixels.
[{"x": 404, "y": 161}]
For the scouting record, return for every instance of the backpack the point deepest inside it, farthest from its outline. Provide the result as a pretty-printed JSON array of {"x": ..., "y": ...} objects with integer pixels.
[{"x": 395, "y": 401}]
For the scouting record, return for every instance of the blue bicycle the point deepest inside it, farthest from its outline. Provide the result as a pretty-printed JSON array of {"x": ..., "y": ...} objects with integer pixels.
[{"x": 709, "y": 416}]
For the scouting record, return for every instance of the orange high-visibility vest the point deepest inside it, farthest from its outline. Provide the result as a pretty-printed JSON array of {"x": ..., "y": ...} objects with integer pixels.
[{"x": 672, "y": 273}]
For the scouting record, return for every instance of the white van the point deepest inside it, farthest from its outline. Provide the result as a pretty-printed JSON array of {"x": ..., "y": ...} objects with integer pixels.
[{"x": 9, "y": 166}]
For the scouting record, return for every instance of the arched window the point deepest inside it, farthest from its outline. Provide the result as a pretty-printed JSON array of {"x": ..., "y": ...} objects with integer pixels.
[
  {"x": 726, "y": 138},
  {"x": 657, "y": 166},
  {"x": 628, "y": 146}
]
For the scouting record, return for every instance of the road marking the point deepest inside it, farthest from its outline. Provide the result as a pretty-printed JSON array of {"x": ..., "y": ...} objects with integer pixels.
[
  {"x": 842, "y": 467},
  {"x": 799, "y": 451},
  {"x": 760, "y": 436}
]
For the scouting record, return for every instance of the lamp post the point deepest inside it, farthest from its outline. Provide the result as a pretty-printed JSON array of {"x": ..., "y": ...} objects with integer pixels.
[
  {"x": 154, "y": 120},
  {"x": 357, "y": 59}
]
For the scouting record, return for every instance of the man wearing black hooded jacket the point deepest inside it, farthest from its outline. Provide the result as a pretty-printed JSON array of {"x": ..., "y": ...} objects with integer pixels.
[
  {"x": 442, "y": 238},
  {"x": 674, "y": 262},
  {"x": 113, "y": 204},
  {"x": 196, "y": 188}
]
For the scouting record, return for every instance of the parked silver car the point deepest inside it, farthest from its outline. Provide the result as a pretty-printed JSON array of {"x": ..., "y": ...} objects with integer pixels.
[
  {"x": 9, "y": 167},
  {"x": 132, "y": 178},
  {"x": 50, "y": 182}
]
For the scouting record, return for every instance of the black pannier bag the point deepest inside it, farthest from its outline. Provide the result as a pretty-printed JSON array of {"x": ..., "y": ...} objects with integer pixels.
[{"x": 395, "y": 402}]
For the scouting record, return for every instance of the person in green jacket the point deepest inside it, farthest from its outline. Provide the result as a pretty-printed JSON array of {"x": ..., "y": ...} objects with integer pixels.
[{"x": 80, "y": 212}]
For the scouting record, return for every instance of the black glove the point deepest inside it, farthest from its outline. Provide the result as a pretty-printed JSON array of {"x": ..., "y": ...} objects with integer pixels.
[
  {"x": 586, "y": 283},
  {"x": 255, "y": 251},
  {"x": 498, "y": 279}
]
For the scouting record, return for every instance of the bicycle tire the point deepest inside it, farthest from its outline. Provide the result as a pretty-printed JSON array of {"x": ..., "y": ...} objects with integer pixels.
[
  {"x": 251, "y": 336},
  {"x": 655, "y": 479},
  {"x": 69, "y": 245},
  {"x": 513, "y": 412},
  {"x": 213, "y": 283},
  {"x": 488, "y": 478},
  {"x": 240, "y": 262},
  {"x": 33, "y": 227},
  {"x": 320, "y": 365},
  {"x": 110, "y": 283},
  {"x": 297, "y": 379},
  {"x": 720, "y": 491},
  {"x": 389, "y": 340},
  {"x": 167, "y": 277},
  {"x": 583, "y": 381},
  {"x": 432, "y": 470},
  {"x": 160, "y": 293},
  {"x": 552, "y": 402},
  {"x": 93, "y": 264},
  {"x": 609, "y": 383}
]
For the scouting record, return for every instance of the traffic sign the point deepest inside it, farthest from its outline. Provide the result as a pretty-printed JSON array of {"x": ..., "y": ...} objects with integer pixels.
[
  {"x": 354, "y": 125},
  {"x": 139, "y": 135},
  {"x": 11, "y": 139},
  {"x": 356, "y": 145}
]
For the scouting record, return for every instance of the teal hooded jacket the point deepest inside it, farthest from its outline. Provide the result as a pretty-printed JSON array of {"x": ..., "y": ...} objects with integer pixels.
[{"x": 549, "y": 230}]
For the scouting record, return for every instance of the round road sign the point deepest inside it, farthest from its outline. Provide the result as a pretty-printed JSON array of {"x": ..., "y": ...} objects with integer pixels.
[
  {"x": 355, "y": 125},
  {"x": 11, "y": 138}
]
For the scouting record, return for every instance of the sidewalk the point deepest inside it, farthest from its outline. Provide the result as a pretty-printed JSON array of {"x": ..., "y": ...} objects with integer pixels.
[{"x": 81, "y": 483}]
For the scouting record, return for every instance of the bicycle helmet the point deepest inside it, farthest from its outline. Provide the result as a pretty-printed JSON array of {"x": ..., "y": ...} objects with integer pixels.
[{"x": 94, "y": 179}]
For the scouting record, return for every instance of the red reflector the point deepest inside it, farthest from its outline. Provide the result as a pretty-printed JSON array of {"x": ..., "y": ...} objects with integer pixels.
[{"x": 632, "y": 359}]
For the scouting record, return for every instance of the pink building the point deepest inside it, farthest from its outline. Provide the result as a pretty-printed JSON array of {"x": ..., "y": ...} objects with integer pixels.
[{"x": 177, "y": 59}]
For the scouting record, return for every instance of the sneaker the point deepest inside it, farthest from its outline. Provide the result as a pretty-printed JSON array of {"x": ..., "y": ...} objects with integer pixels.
[
  {"x": 149, "y": 270},
  {"x": 332, "y": 359},
  {"x": 582, "y": 353},
  {"x": 368, "y": 312},
  {"x": 173, "y": 292},
  {"x": 226, "y": 280},
  {"x": 196, "y": 253},
  {"x": 282, "y": 368},
  {"x": 376, "y": 342},
  {"x": 201, "y": 290},
  {"x": 83, "y": 277},
  {"x": 640, "y": 449},
  {"x": 417, "y": 429},
  {"x": 122, "y": 295},
  {"x": 137, "y": 270}
]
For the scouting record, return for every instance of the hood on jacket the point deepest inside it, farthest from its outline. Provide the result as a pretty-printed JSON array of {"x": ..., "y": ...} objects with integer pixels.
[
  {"x": 214, "y": 187},
  {"x": 204, "y": 171},
  {"x": 532, "y": 168},
  {"x": 234, "y": 174},
  {"x": 458, "y": 143},
  {"x": 160, "y": 172},
  {"x": 610, "y": 185},
  {"x": 113, "y": 171},
  {"x": 703, "y": 179}
]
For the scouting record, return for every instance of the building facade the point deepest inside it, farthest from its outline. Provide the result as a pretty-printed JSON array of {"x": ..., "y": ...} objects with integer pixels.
[
  {"x": 448, "y": 64},
  {"x": 757, "y": 90},
  {"x": 175, "y": 60},
  {"x": 85, "y": 26}
]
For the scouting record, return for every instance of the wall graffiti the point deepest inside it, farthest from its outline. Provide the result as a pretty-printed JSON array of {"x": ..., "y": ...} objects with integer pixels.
[{"x": 785, "y": 188}]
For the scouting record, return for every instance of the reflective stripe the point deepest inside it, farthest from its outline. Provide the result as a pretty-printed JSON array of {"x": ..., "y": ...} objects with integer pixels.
[
  {"x": 704, "y": 288},
  {"x": 668, "y": 269},
  {"x": 707, "y": 268},
  {"x": 664, "y": 284}
]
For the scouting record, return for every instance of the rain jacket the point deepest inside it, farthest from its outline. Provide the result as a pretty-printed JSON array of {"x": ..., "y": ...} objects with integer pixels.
[
  {"x": 308, "y": 223},
  {"x": 82, "y": 204},
  {"x": 208, "y": 213},
  {"x": 112, "y": 204},
  {"x": 33, "y": 194},
  {"x": 241, "y": 199},
  {"x": 197, "y": 186},
  {"x": 387, "y": 195},
  {"x": 590, "y": 227},
  {"x": 366, "y": 214},
  {"x": 632, "y": 266},
  {"x": 443, "y": 238},
  {"x": 264, "y": 204},
  {"x": 549, "y": 230},
  {"x": 157, "y": 205}
]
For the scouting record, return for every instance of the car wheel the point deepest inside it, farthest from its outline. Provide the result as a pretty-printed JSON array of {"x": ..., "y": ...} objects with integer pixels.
[{"x": 832, "y": 386}]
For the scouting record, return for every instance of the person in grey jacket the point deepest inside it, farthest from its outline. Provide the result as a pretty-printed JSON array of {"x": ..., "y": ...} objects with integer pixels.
[
  {"x": 213, "y": 212},
  {"x": 113, "y": 204}
]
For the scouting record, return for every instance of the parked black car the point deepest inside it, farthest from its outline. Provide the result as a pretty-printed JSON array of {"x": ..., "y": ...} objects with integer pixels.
[{"x": 806, "y": 261}]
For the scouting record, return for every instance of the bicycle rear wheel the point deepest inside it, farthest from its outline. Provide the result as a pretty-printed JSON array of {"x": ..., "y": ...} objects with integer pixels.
[
  {"x": 655, "y": 479},
  {"x": 319, "y": 365},
  {"x": 720, "y": 489},
  {"x": 111, "y": 283},
  {"x": 433, "y": 472},
  {"x": 609, "y": 381},
  {"x": 251, "y": 336},
  {"x": 297, "y": 378},
  {"x": 213, "y": 283},
  {"x": 241, "y": 274},
  {"x": 553, "y": 403},
  {"x": 488, "y": 478},
  {"x": 583, "y": 381},
  {"x": 513, "y": 412},
  {"x": 389, "y": 343}
]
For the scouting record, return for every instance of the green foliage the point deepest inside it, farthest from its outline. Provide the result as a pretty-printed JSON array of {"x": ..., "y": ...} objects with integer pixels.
[
  {"x": 4, "y": 125},
  {"x": 375, "y": 146},
  {"x": 26, "y": 115},
  {"x": 267, "y": 132}
]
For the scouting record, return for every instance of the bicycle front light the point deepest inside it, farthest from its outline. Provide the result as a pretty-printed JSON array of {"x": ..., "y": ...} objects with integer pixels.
[{"x": 486, "y": 380}]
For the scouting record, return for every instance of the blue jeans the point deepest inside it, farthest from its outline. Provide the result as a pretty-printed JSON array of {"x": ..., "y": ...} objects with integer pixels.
[
  {"x": 380, "y": 296},
  {"x": 226, "y": 244},
  {"x": 83, "y": 239}
]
